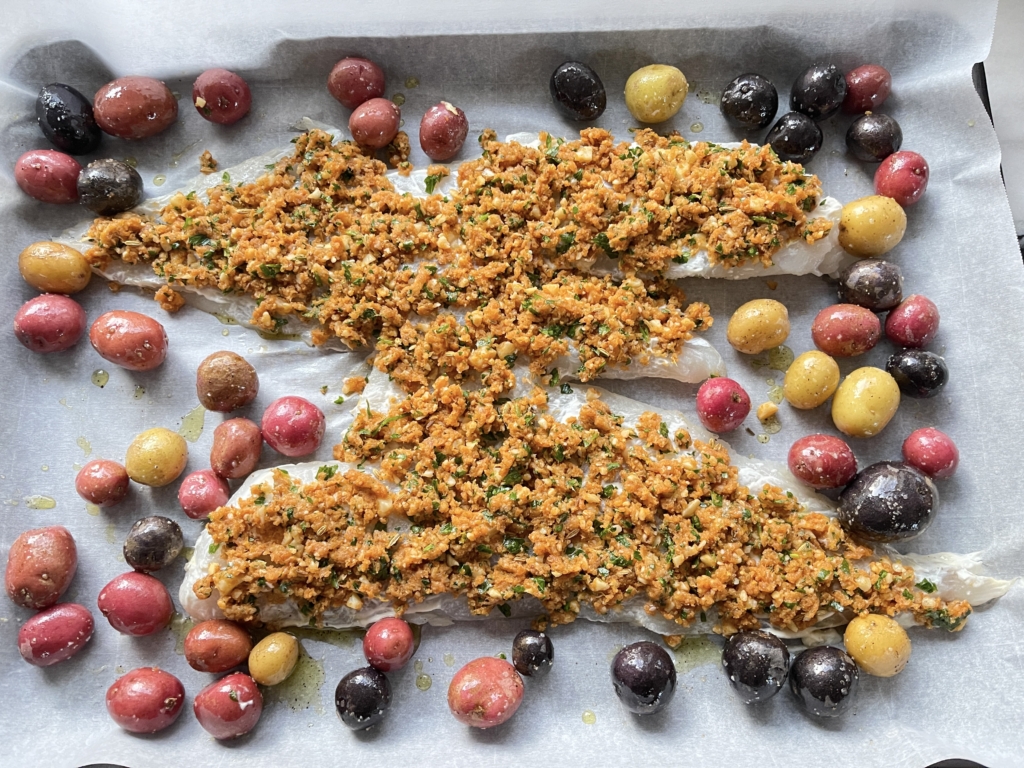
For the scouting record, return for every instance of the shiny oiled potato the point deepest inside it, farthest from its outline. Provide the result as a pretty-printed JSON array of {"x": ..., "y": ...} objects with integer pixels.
[
  {"x": 865, "y": 402},
  {"x": 54, "y": 268},
  {"x": 655, "y": 93},
  {"x": 871, "y": 226},
  {"x": 758, "y": 325},
  {"x": 811, "y": 380},
  {"x": 273, "y": 658},
  {"x": 156, "y": 457},
  {"x": 878, "y": 644}
]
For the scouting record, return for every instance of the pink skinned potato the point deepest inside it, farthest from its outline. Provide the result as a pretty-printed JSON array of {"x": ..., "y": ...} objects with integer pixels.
[
  {"x": 867, "y": 87},
  {"x": 388, "y": 644},
  {"x": 136, "y": 604},
  {"x": 722, "y": 404},
  {"x": 913, "y": 323},
  {"x": 40, "y": 566},
  {"x": 49, "y": 323},
  {"x": 931, "y": 451},
  {"x": 485, "y": 693},
  {"x": 354, "y": 81},
  {"x": 230, "y": 707},
  {"x": 236, "y": 448},
  {"x": 443, "y": 131},
  {"x": 845, "y": 330},
  {"x": 55, "y": 635},
  {"x": 374, "y": 123},
  {"x": 221, "y": 96},
  {"x": 145, "y": 700},
  {"x": 134, "y": 107},
  {"x": 822, "y": 461},
  {"x": 903, "y": 176},
  {"x": 48, "y": 176},
  {"x": 293, "y": 426},
  {"x": 102, "y": 482},
  {"x": 216, "y": 646},
  {"x": 129, "y": 339},
  {"x": 202, "y": 492}
]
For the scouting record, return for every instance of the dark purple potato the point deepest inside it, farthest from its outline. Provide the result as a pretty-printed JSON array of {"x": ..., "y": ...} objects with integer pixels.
[
  {"x": 795, "y": 137},
  {"x": 109, "y": 186},
  {"x": 888, "y": 501},
  {"x": 153, "y": 543},
  {"x": 577, "y": 91},
  {"x": 873, "y": 284},
  {"x": 65, "y": 117},
  {"x": 824, "y": 679},
  {"x": 818, "y": 92},
  {"x": 532, "y": 652},
  {"x": 362, "y": 698},
  {"x": 750, "y": 101},
  {"x": 918, "y": 372},
  {"x": 644, "y": 677},
  {"x": 757, "y": 664},
  {"x": 873, "y": 138}
]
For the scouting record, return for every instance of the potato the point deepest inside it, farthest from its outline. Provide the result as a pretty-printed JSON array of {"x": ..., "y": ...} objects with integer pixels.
[
  {"x": 136, "y": 604},
  {"x": 375, "y": 123},
  {"x": 40, "y": 566},
  {"x": 145, "y": 700},
  {"x": 865, "y": 402},
  {"x": 871, "y": 226},
  {"x": 485, "y": 693},
  {"x": 49, "y": 323},
  {"x": 273, "y": 658},
  {"x": 102, "y": 482},
  {"x": 156, "y": 457},
  {"x": 54, "y": 268},
  {"x": 655, "y": 93},
  {"x": 229, "y": 707},
  {"x": 845, "y": 330},
  {"x": 758, "y": 325},
  {"x": 810, "y": 380},
  {"x": 129, "y": 339},
  {"x": 878, "y": 644},
  {"x": 48, "y": 176},
  {"x": 226, "y": 381},
  {"x": 135, "y": 107},
  {"x": 443, "y": 130},
  {"x": 236, "y": 448},
  {"x": 56, "y": 634},
  {"x": 217, "y": 646}
]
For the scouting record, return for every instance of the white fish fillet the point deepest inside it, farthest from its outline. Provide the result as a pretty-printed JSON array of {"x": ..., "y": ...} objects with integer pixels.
[{"x": 958, "y": 577}]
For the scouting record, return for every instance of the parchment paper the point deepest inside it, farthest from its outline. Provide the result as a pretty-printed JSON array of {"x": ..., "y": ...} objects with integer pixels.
[{"x": 960, "y": 695}]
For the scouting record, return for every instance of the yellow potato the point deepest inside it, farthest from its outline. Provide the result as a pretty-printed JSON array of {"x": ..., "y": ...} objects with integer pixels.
[
  {"x": 758, "y": 325},
  {"x": 273, "y": 658},
  {"x": 655, "y": 93},
  {"x": 156, "y": 457},
  {"x": 878, "y": 644},
  {"x": 871, "y": 226},
  {"x": 54, "y": 268},
  {"x": 865, "y": 402},
  {"x": 811, "y": 380}
]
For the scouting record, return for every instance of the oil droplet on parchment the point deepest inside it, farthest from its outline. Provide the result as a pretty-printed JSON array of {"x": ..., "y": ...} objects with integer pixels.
[
  {"x": 92, "y": 509},
  {"x": 398, "y": 99},
  {"x": 589, "y": 717},
  {"x": 301, "y": 689},
  {"x": 695, "y": 652},
  {"x": 763, "y": 438},
  {"x": 100, "y": 378},
  {"x": 139, "y": 391},
  {"x": 423, "y": 682},
  {"x": 45, "y": 467},
  {"x": 84, "y": 444},
  {"x": 449, "y": 660},
  {"x": 180, "y": 626},
  {"x": 697, "y": 127},
  {"x": 412, "y": 82},
  {"x": 192, "y": 424},
  {"x": 111, "y": 534},
  {"x": 159, "y": 179},
  {"x": 40, "y": 502}
]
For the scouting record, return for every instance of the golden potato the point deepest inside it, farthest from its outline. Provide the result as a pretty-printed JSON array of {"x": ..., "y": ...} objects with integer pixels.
[
  {"x": 156, "y": 457},
  {"x": 655, "y": 93},
  {"x": 871, "y": 226},
  {"x": 273, "y": 658},
  {"x": 865, "y": 402},
  {"x": 54, "y": 268},
  {"x": 878, "y": 644},
  {"x": 810, "y": 380},
  {"x": 758, "y": 325}
]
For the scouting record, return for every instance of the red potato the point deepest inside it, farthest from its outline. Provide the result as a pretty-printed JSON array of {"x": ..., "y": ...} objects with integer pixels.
[
  {"x": 374, "y": 123},
  {"x": 49, "y": 323},
  {"x": 48, "y": 176},
  {"x": 145, "y": 700},
  {"x": 129, "y": 339},
  {"x": 903, "y": 176},
  {"x": 485, "y": 693},
  {"x": 722, "y": 404},
  {"x": 354, "y": 81},
  {"x": 217, "y": 646},
  {"x": 931, "y": 451},
  {"x": 822, "y": 461},
  {"x": 136, "y": 604},
  {"x": 221, "y": 96},
  {"x": 236, "y": 448},
  {"x": 443, "y": 131},
  {"x": 40, "y": 566},
  {"x": 134, "y": 107},
  {"x": 867, "y": 87},
  {"x": 293, "y": 426},
  {"x": 230, "y": 707},
  {"x": 55, "y": 635},
  {"x": 389, "y": 644},
  {"x": 202, "y": 492},
  {"x": 845, "y": 330},
  {"x": 913, "y": 323},
  {"x": 102, "y": 482}
]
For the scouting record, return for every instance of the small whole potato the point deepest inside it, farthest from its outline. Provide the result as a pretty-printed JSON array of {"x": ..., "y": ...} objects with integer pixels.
[
  {"x": 54, "y": 268},
  {"x": 810, "y": 380},
  {"x": 48, "y": 176},
  {"x": 55, "y": 635},
  {"x": 273, "y": 658},
  {"x": 822, "y": 461},
  {"x": 914, "y": 322},
  {"x": 134, "y": 107},
  {"x": 865, "y": 402},
  {"x": 202, "y": 492},
  {"x": 40, "y": 566},
  {"x": 226, "y": 381},
  {"x": 217, "y": 646},
  {"x": 443, "y": 131},
  {"x": 229, "y": 707},
  {"x": 145, "y": 700},
  {"x": 129, "y": 339},
  {"x": 136, "y": 604},
  {"x": 293, "y": 426},
  {"x": 156, "y": 457},
  {"x": 878, "y": 644},
  {"x": 375, "y": 123},
  {"x": 102, "y": 482},
  {"x": 354, "y": 80},
  {"x": 655, "y": 93},
  {"x": 722, "y": 404},
  {"x": 846, "y": 330},
  {"x": 871, "y": 226},
  {"x": 758, "y": 325},
  {"x": 236, "y": 448},
  {"x": 49, "y": 323},
  {"x": 485, "y": 693}
]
